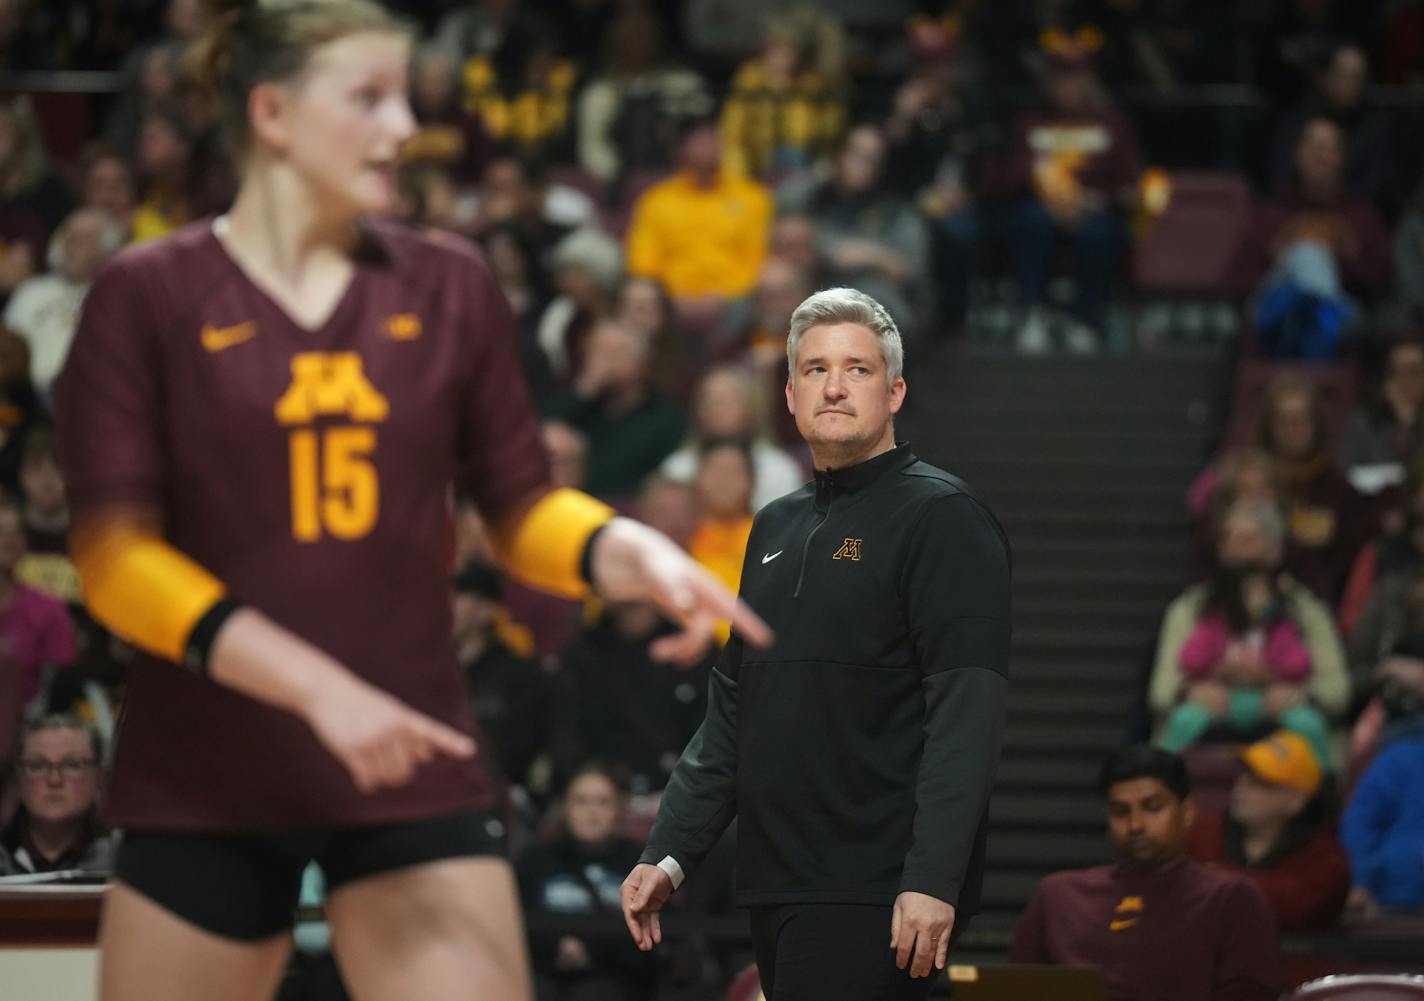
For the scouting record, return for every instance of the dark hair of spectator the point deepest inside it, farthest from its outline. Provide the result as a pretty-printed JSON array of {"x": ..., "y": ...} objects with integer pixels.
[
  {"x": 616, "y": 776},
  {"x": 742, "y": 446},
  {"x": 1282, "y": 386},
  {"x": 534, "y": 274},
  {"x": 251, "y": 43},
  {"x": 1141, "y": 761}
]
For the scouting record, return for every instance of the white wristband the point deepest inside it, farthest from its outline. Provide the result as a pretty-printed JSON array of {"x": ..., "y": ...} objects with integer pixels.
[{"x": 674, "y": 871}]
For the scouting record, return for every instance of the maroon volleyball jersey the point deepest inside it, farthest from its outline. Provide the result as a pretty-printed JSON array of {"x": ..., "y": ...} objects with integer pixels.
[{"x": 308, "y": 470}]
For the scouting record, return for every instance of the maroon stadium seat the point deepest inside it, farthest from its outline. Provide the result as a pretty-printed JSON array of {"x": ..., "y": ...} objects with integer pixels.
[
  {"x": 1213, "y": 769},
  {"x": 1195, "y": 247},
  {"x": 747, "y": 986},
  {"x": 1363, "y": 987}
]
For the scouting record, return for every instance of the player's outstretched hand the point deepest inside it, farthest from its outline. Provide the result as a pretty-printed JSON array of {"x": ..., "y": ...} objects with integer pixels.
[
  {"x": 379, "y": 739},
  {"x": 632, "y": 562},
  {"x": 644, "y": 892}
]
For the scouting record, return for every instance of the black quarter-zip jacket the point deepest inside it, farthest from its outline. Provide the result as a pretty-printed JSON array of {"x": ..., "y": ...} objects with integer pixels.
[{"x": 858, "y": 751}]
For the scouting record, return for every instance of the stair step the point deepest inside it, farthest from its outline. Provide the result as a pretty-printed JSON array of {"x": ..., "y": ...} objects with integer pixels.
[
  {"x": 1122, "y": 643},
  {"x": 1060, "y": 850},
  {"x": 1080, "y": 702},
  {"x": 1096, "y": 615},
  {"x": 1063, "y": 670},
  {"x": 1093, "y": 737},
  {"x": 1020, "y": 772},
  {"x": 1069, "y": 810}
]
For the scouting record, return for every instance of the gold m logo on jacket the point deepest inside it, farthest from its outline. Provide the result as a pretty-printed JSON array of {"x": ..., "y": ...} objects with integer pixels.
[{"x": 849, "y": 550}]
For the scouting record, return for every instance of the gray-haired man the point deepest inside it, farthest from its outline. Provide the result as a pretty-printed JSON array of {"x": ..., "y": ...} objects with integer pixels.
[{"x": 858, "y": 751}]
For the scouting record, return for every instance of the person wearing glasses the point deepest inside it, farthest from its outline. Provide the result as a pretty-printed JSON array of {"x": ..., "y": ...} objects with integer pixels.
[{"x": 56, "y": 827}]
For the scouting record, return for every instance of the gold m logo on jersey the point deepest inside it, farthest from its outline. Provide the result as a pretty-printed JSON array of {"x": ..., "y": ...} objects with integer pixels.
[
  {"x": 330, "y": 384},
  {"x": 403, "y": 327},
  {"x": 849, "y": 550}
]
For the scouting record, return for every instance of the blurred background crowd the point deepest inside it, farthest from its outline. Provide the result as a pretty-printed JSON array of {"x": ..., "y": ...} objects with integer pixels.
[{"x": 656, "y": 186}]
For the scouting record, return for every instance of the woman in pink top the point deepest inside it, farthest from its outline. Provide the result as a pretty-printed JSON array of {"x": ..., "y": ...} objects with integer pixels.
[{"x": 1239, "y": 661}]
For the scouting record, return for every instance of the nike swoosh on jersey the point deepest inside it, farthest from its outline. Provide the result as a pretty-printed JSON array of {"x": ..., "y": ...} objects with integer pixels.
[
  {"x": 221, "y": 338},
  {"x": 771, "y": 556}
]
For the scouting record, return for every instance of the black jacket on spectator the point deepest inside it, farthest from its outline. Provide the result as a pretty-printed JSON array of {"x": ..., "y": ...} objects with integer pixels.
[
  {"x": 619, "y": 705},
  {"x": 511, "y": 698},
  {"x": 564, "y": 877}
]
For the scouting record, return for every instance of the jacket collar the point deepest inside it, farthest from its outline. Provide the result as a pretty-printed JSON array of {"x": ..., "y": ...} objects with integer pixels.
[{"x": 851, "y": 479}]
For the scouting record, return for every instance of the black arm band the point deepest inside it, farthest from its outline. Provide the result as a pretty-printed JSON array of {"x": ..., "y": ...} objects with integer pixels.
[
  {"x": 205, "y": 633},
  {"x": 586, "y": 559}
]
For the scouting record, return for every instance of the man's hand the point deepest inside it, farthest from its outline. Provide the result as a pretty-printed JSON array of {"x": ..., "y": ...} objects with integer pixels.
[
  {"x": 644, "y": 892},
  {"x": 920, "y": 924},
  {"x": 632, "y": 562}
]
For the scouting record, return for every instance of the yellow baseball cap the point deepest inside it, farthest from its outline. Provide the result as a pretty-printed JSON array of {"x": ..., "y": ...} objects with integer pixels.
[{"x": 1284, "y": 759}]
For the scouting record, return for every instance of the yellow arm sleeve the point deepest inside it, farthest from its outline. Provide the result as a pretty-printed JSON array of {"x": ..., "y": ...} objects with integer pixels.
[
  {"x": 544, "y": 545},
  {"x": 142, "y": 588}
]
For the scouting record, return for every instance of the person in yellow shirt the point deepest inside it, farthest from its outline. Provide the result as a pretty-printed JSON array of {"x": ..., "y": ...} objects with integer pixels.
[
  {"x": 702, "y": 232},
  {"x": 725, "y": 479}
]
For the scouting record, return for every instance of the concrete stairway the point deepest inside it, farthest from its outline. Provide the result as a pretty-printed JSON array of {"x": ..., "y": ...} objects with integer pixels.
[{"x": 1086, "y": 461}]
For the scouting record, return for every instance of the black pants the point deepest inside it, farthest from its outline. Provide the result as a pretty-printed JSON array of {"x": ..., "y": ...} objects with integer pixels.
[{"x": 832, "y": 952}]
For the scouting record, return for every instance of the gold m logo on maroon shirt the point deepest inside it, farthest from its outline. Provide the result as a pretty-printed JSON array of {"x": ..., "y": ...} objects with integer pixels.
[
  {"x": 330, "y": 384},
  {"x": 849, "y": 550},
  {"x": 403, "y": 327}
]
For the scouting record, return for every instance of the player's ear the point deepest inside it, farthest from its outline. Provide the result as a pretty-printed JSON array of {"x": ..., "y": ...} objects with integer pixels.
[
  {"x": 790, "y": 397},
  {"x": 267, "y": 108}
]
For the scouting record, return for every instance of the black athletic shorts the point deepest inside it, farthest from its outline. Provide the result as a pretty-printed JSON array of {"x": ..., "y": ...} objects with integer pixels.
[{"x": 246, "y": 886}]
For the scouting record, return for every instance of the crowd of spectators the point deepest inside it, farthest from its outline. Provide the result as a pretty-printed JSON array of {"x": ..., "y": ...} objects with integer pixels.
[{"x": 656, "y": 186}]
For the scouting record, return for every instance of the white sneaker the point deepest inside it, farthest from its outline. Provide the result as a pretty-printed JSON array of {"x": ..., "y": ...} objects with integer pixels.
[
  {"x": 1033, "y": 337},
  {"x": 1081, "y": 339}
]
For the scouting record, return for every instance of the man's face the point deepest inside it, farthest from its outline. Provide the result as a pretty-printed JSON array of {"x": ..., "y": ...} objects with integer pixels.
[
  {"x": 1256, "y": 802},
  {"x": 837, "y": 390},
  {"x": 66, "y": 782},
  {"x": 1147, "y": 823}
]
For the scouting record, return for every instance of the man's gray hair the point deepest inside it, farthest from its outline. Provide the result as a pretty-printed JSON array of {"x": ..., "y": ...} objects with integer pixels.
[{"x": 847, "y": 305}]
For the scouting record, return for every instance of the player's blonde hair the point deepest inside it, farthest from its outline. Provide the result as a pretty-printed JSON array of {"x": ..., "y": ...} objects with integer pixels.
[{"x": 252, "y": 42}]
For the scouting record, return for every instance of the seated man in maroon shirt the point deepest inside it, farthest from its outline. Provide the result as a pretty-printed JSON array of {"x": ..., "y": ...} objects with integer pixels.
[
  {"x": 1277, "y": 832},
  {"x": 1160, "y": 926}
]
